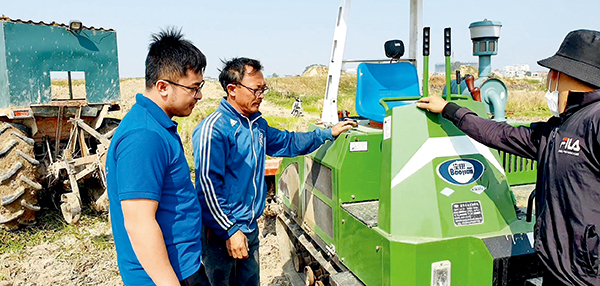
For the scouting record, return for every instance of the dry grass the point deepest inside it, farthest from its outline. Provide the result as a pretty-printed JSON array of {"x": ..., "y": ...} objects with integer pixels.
[
  {"x": 526, "y": 100},
  {"x": 527, "y": 105},
  {"x": 312, "y": 91}
]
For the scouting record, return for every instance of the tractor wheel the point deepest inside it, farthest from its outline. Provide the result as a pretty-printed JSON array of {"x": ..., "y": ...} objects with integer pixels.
[
  {"x": 309, "y": 276},
  {"x": 18, "y": 177},
  {"x": 298, "y": 262}
]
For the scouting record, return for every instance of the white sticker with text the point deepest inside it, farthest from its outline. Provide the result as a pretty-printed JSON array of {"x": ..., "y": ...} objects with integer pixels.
[
  {"x": 387, "y": 128},
  {"x": 359, "y": 146}
]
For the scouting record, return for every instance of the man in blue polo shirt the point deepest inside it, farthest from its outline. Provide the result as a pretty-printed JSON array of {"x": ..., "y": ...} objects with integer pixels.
[{"x": 155, "y": 213}]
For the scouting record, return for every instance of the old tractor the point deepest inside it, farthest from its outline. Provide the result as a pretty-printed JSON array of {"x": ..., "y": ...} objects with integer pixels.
[
  {"x": 405, "y": 198},
  {"x": 57, "y": 83}
]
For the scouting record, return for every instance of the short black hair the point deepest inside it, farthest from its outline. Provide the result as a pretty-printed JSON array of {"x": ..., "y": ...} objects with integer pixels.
[
  {"x": 233, "y": 70},
  {"x": 171, "y": 57}
]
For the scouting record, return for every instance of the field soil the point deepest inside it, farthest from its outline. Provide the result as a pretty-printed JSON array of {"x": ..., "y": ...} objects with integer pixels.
[{"x": 86, "y": 256}]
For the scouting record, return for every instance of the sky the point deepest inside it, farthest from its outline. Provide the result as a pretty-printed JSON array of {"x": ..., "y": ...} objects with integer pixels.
[{"x": 288, "y": 36}]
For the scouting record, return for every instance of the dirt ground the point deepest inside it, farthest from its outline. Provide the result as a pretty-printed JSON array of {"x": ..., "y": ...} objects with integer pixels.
[{"x": 86, "y": 256}]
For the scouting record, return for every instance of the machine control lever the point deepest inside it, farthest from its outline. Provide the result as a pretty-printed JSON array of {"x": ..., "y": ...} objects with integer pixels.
[
  {"x": 530, "y": 205},
  {"x": 447, "y": 54},
  {"x": 426, "y": 37},
  {"x": 447, "y": 42},
  {"x": 458, "y": 81},
  {"x": 475, "y": 91}
]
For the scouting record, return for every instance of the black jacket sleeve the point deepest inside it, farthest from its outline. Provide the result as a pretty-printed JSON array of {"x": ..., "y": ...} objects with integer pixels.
[{"x": 522, "y": 141}]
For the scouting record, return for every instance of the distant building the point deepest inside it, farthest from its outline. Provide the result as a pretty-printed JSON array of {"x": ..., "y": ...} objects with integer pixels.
[
  {"x": 538, "y": 74},
  {"x": 515, "y": 71},
  {"x": 441, "y": 68}
]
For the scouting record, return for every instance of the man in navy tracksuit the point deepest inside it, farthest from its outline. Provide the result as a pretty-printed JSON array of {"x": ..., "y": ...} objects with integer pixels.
[
  {"x": 230, "y": 146},
  {"x": 567, "y": 149}
]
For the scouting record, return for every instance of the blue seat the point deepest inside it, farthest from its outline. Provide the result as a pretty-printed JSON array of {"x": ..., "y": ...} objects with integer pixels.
[{"x": 376, "y": 81}]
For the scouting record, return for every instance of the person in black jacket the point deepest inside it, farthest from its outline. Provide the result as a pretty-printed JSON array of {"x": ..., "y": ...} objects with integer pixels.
[{"x": 567, "y": 149}]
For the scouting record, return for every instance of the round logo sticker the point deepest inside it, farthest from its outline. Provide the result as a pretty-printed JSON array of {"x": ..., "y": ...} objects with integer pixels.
[{"x": 460, "y": 171}]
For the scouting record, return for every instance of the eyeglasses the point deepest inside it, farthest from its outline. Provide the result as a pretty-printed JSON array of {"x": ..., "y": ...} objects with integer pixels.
[
  {"x": 257, "y": 92},
  {"x": 196, "y": 90}
]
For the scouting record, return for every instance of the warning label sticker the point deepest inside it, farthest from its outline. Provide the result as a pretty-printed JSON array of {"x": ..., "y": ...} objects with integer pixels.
[
  {"x": 467, "y": 213},
  {"x": 359, "y": 146},
  {"x": 387, "y": 128}
]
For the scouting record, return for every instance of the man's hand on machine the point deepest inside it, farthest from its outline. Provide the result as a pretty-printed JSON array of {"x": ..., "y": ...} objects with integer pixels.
[
  {"x": 342, "y": 126},
  {"x": 433, "y": 104}
]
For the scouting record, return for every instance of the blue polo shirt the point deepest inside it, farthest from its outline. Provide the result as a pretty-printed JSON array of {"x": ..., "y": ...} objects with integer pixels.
[{"x": 146, "y": 161}]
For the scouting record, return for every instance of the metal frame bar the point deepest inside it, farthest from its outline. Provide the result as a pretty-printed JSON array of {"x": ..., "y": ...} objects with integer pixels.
[{"x": 330, "y": 114}]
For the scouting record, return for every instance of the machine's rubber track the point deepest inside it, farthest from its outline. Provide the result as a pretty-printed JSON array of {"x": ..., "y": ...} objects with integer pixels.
[{"x": 18, "y": 177}]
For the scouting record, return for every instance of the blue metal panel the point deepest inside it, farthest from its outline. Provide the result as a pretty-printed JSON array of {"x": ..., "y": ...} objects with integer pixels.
[{"x": 33, "y": 50}]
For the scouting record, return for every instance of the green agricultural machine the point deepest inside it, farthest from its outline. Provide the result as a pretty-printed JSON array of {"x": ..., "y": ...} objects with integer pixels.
[
  {"x": 405, "y": 198},
  {"x": 53, "y": 131}
]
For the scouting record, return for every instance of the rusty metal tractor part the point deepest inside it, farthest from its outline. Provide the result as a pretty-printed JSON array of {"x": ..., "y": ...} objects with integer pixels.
[
  {"x": 70, "y": 207},
  {"x": 62, "y": 95},
  {"x": 18, "y": 177},
  {"x": 79, "y": 164}
]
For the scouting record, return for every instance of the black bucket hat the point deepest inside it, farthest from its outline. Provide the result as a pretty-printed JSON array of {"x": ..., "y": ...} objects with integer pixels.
[{"x": 578, "y": 57}]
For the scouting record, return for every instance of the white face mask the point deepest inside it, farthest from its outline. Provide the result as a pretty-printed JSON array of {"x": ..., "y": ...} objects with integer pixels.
[{"x": 552, "y": 97}]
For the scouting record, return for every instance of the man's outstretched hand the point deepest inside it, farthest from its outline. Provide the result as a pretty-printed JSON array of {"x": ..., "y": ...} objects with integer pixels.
[
  {"x": 434, "y": 104},
  {"x": 342, "y": 126}
]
